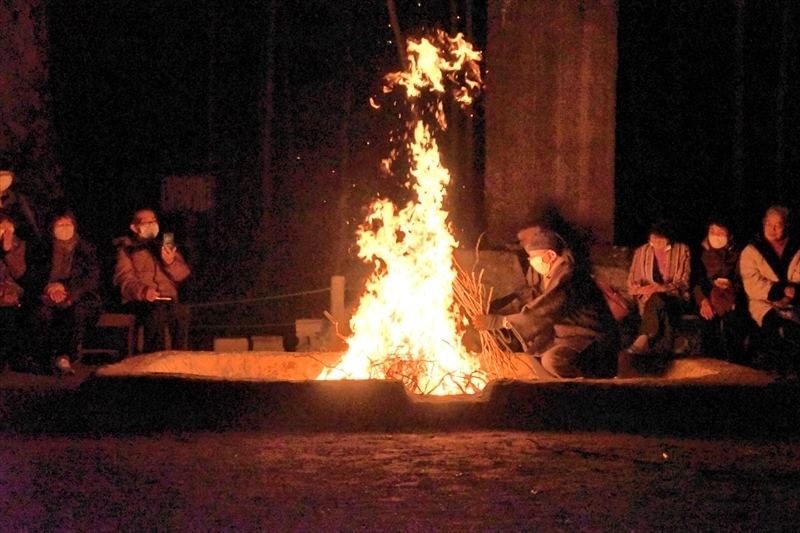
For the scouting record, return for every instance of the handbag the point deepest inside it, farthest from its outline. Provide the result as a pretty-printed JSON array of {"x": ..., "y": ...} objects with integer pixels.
[
  {"x": 722, "y": 300},
  {"x": 616, "y": 303}
]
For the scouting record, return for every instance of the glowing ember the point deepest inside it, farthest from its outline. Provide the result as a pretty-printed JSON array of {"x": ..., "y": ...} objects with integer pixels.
[{"x": 407, "y": 325}]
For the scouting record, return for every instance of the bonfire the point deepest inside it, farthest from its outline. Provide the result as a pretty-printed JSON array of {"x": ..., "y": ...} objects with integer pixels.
[{"x": 418, "y": 301}]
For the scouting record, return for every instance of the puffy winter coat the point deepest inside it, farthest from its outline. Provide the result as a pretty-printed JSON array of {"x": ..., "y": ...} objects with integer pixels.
[{"x": 139, "y": 267}]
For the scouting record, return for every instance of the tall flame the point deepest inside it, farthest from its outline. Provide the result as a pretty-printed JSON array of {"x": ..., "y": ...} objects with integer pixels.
[{"x": 407, "y": 323}]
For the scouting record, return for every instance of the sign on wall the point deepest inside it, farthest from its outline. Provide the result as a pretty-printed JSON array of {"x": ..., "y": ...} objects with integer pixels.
[{"x": 187, "y": 193}]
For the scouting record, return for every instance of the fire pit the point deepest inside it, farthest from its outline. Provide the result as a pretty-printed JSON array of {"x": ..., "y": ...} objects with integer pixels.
[
  {"x": 181, "y": 391},
  {"x": 245, "y": 366}
]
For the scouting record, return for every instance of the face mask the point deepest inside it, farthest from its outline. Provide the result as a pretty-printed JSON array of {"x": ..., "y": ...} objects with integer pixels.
[
  {"x": 149, "y": 231},
  {"x": 539, "y": 265},
  {"x": 64, "y": 233},
  {"x": 717, "y": 241},
  {"x": 5, "y": 181}
]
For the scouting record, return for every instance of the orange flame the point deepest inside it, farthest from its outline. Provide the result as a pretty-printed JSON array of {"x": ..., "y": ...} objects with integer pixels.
[{"x": 407, "y": 323}]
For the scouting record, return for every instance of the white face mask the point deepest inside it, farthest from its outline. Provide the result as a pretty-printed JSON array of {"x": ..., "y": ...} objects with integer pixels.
[
  {"x": 5, "y": 180},
  {"x": 539, "y": 265},
  {"x": 64, "y": 233},
  {"x": 149, "y": 231},
  {"x": 717, "y": 241}
]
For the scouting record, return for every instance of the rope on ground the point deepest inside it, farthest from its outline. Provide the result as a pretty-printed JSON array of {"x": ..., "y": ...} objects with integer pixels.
[{"x": 259, "y": 299}]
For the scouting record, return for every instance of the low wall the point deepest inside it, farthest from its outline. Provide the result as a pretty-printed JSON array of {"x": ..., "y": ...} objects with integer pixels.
[{"x": 695, "y": 397}]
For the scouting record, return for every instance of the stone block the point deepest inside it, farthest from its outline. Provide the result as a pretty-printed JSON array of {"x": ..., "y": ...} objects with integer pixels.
[
  {"x": 612, "y": 263},
  {"x": 231, "y": 344},
  {"x": 267, "y": 343},
  {"x": 312, "y": 334}
]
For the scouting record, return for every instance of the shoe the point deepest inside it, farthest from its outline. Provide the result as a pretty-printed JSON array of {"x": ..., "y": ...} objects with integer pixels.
[
  {"x": 63, "y": 366},
  {"x": 681, "y": 346},
  {"x": 640, "y": 345}
]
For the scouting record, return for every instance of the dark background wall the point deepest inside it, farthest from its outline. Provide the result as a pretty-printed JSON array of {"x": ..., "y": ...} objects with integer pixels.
[
  {"x": 146, "y": 89},
  {"x": 550, "y": 115},
  {"x": 26, "y": 125},
  {"x": 706, "y": 119},
  {"x": 707, "y": 114}
]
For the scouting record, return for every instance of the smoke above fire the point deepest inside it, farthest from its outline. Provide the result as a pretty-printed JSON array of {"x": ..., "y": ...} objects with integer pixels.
[{"x": 407, "y": 325}]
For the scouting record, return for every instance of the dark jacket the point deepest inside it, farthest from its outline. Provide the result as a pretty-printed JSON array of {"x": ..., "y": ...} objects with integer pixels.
[
  {"x": 17, "y": 207},
  {"x": 12, "y": 267},
  {"x": 83, "y": 280},
  {"x": 571, "y": 311},
  {"x": 714, "y": 264}
]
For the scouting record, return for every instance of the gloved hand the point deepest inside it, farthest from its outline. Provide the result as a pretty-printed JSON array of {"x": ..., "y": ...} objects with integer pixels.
[
  {"x": 488, "y": 322},
  {"x": 471, "y": 340}
]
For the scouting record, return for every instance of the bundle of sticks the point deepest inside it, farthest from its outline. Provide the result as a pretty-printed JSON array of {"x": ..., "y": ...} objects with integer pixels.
[{"x": 471, "y": 295}]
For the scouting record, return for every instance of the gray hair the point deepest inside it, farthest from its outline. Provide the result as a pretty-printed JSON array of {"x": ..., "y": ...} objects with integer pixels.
[{"x": 779, "y": 210}]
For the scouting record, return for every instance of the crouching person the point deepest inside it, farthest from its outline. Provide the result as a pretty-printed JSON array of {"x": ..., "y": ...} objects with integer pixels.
[
  {"x": 147, "y": 272},
  {"x": 568, "y": 330}
]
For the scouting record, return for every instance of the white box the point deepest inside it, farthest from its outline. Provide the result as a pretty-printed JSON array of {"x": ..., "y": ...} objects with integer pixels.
[
  {"x": 267, "y": 343},
  {"x": 231, "y": 344},
  {"x": 310, "y": 334}
]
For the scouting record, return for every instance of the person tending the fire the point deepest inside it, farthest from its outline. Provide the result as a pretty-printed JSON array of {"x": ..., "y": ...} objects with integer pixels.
[{"x": 568, "y": 330}]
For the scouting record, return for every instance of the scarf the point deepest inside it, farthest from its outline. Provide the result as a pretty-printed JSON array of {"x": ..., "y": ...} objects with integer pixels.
[{"x": 63, "y": 252}]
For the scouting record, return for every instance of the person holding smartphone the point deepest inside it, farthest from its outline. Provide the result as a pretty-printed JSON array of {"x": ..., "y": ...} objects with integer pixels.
[{"x": 148, "y": 271}]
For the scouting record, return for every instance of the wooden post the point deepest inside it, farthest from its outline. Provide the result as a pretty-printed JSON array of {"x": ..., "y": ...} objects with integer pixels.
[
  {"x": 338, "y": 312},
  {"x": 337, "y": 301}
]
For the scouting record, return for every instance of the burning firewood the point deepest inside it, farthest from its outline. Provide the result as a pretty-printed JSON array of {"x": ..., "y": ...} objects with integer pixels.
[{"x": 406, "y": 325}]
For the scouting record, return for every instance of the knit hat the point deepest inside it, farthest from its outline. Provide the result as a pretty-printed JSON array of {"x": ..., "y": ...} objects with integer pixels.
[
  {"x": 525, "y": 235},
  {"x": 544, "y": 240}
]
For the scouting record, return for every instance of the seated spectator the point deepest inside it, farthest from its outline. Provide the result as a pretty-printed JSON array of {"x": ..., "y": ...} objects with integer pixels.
[
  {"x": 659, "y": 282},
  {"x": 12, "y": 267},
  {"x": 568, "y": 328},
  {"x": 719, "y": 294},
  {"x": 770, "y": 269},
  {"x": 66, "y": 274},
  {"x": 147, "y": 273}
]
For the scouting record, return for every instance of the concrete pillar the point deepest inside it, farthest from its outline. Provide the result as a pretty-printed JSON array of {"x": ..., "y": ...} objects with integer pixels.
[{"x": 550, "y": 114}]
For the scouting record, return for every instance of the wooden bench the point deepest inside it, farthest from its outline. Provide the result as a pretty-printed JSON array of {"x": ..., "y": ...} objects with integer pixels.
[{"x": 113, "y": 320}]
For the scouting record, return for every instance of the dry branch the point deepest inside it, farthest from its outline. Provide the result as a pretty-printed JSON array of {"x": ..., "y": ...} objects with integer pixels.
[{"x": 471, "y": 295}]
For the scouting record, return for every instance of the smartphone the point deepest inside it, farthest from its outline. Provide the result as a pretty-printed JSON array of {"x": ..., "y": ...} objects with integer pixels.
[{"x": 169, "y": 241}]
